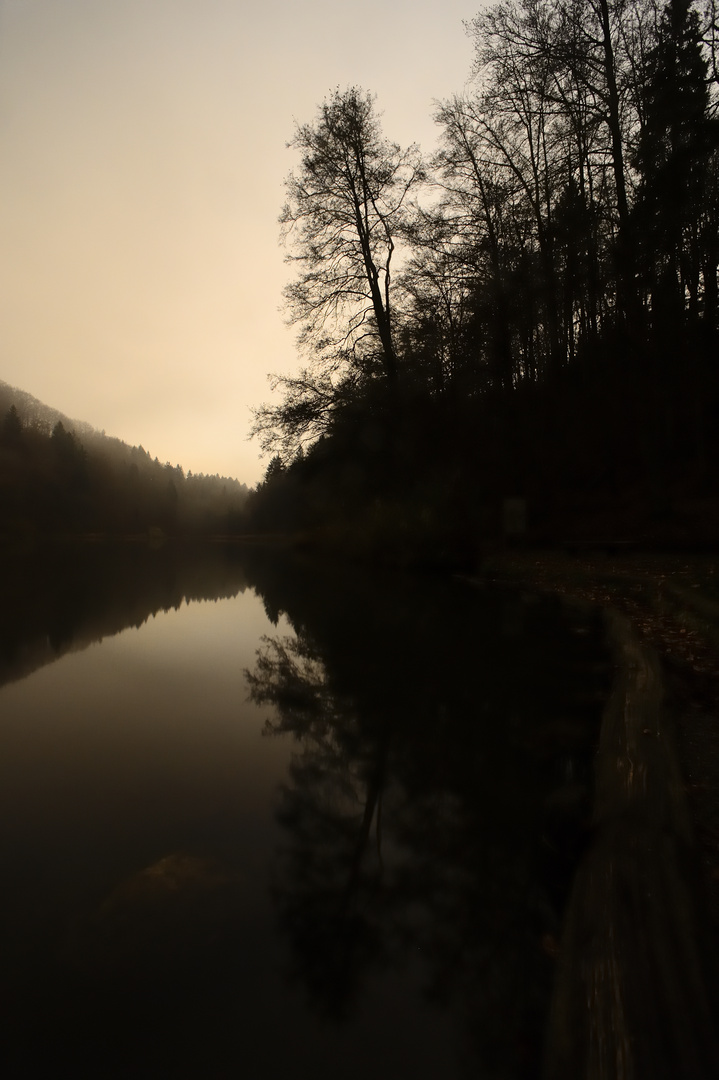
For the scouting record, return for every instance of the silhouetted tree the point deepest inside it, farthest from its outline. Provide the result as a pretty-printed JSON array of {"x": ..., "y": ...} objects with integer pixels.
[
  {"x": 346, "y": 205},
  {"x": 274, "y": 469},
  {"x": 562, "y": 292}
]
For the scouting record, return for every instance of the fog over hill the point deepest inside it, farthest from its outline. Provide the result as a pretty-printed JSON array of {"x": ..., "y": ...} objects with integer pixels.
[
  {"x": 42, "y": 418},
  {"x": 35, "y": 414},
  {"x": 59, "y": 475}
]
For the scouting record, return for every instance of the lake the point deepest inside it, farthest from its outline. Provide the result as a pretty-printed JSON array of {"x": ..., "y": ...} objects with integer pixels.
[{"x": 264, "y": 816}]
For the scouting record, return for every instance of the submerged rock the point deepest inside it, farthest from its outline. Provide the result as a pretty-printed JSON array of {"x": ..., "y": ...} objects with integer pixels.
[{"x": 178, "y": 914}]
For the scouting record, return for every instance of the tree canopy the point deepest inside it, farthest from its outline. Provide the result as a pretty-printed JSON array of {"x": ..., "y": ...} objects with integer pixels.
[
  {"x": 347, "y": 205},
  {"x": 554, "y": 322}
]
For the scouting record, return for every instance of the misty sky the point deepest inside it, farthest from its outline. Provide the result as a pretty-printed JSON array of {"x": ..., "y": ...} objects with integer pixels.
[{"x": 142, "y": 154}]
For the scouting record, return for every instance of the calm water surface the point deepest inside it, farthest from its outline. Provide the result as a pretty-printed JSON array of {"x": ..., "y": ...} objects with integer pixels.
[{"x": 259, "y": 816}]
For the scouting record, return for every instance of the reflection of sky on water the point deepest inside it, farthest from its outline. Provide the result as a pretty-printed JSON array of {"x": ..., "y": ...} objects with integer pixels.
[
  {"x": 145, "y": 746},
  {"x": 160, "y": 710}
]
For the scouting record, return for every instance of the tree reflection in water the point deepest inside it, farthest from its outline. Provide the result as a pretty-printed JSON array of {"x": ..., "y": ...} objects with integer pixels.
[
  {"x": 436, "y": 799},
  {"x": 328, "y": 888}
]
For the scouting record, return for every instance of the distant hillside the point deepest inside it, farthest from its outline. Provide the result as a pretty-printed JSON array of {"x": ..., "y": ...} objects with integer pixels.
[
  {"x": 36, "y": 415},
  {"x": 59, "y": 475}
]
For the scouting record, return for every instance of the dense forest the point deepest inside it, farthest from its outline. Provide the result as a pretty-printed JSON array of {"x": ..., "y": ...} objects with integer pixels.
[
  {"x": 59, "y": 478},
  {"x": 532, "y": 313}
]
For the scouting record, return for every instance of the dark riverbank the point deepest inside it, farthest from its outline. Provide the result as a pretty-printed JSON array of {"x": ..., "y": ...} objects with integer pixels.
[
  {"x": 672, "y": 602},
  {"x": 637, "y": 977}
]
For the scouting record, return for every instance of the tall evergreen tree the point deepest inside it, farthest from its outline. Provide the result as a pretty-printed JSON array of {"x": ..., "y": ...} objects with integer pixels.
[{"x": 676, "y": 144}]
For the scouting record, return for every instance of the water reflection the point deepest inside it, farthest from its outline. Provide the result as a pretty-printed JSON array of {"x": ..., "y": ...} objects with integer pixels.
[
  {"x": 374, "y": 886},
  {"x": 330, "y": 804},
  {"x": 437, "y": 799},
  {"x": 60, "y": 598}
]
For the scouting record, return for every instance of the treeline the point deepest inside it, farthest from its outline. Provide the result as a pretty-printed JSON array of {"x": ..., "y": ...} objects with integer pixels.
[
  {"x": 54, "y": 480},
  {"x": 551, "y": 329}
]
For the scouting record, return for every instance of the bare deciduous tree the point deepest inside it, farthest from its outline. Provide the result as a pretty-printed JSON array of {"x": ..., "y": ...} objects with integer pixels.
[{"x": 345, "y": 205}]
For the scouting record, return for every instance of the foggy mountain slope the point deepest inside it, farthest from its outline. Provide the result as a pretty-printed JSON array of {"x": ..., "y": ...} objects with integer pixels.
[
  {"x": 36, "y": 414},
  {"x": 59, "y": 475}
]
